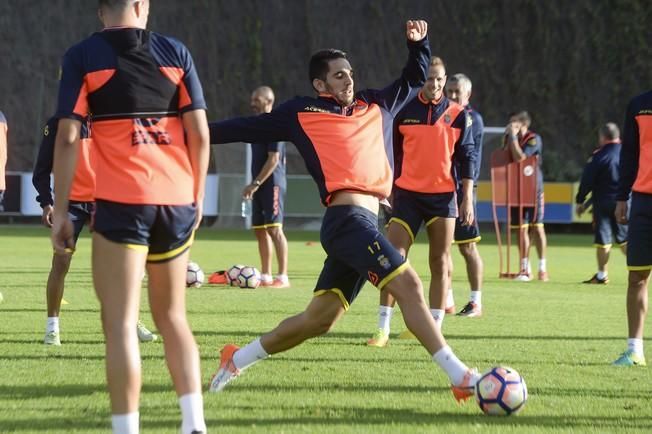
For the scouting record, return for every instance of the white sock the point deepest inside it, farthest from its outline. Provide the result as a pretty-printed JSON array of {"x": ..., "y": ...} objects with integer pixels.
[
  {"x": 250, "y": 354},
  {"x": 192, "y": 413},
  {"x": 125, "y": 423},
  {"x": 52, "y": 324},
  {"x": 602, "y": 275},
  {"x": 449, "y": 362},
  {"x": 542, "y": 264},
  {"x": 450, "y": 300},
  {"x": 525, "y": 264},
  {"x": 266, "y": 278},
  {"x": 438, "y": 316},
  {"x": 636, "y": 345},
  {"x": 283, "y": 278},
  {"x": 476, "y": 297},
  {"x": 385, "y": 317}
]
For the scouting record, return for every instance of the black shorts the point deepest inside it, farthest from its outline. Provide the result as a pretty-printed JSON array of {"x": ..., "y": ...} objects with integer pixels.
[
  {"x": 267, "y": 206},
  {"x": 411, "y": 209},
  {"x": 530, "y": 218},
  {"x": 357, "y": 252},
  {"x": 606, "y": 228},
  {"x": 165, "y": 231},
  {"x": 469, "y": 233},
  {"x": 80, "y": 213},
  {"x": 639, "y": 245}
]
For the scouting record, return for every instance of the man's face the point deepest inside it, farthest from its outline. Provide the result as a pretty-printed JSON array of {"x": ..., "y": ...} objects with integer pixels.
[
  {"x": 339, "y": 81},
  {"x": 454, "y": 92},
  {"x": 260, "y": 104},
  {"x": 433, "y": 89}
]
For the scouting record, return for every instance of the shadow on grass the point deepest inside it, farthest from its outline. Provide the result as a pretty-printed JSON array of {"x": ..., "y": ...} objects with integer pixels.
[{"x": 364, "y": 418}]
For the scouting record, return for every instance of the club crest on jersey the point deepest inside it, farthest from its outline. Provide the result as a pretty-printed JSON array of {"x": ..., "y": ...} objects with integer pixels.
[
  {"x": 384, "y": 262},
  {"x": 46, "y": 130},
  {"x": 447, "y": 118}
]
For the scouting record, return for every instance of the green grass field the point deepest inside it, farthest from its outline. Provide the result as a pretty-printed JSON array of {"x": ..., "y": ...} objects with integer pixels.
[{"x": 560, "y": 335}]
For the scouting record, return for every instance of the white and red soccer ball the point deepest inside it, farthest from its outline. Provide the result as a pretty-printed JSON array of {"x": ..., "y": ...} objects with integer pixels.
[
  {"x": 243, "y": 276},
  {"x": 501, "y": 391}
]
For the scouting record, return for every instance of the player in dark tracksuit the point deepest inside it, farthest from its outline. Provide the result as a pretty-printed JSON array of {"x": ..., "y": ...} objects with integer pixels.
[
  {"x": 600, "y": 178},
  {"x": 345, "y": 139},
  {"x": 636, "y": 179}
]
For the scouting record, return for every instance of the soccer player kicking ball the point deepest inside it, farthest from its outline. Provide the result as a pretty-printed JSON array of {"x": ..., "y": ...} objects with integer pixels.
[
  {"x": 344, "y": 139},
  {"x": 636, "y": 176},
  {"x": 433, "y": 132}
]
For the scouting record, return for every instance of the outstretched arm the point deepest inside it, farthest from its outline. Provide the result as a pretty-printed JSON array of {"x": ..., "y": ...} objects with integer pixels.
[
  {"x": 394, "y": 96},
  {"x": 266, "y": 127}
]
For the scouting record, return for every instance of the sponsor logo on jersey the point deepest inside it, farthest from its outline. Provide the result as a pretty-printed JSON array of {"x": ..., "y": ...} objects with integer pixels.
[
  {"x": 410, "y": 121},
  {"x": 147, "y": 132},
  {"x": 312, "y": 108}
]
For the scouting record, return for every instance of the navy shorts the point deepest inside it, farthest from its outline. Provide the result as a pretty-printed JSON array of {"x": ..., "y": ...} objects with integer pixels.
[
  {"x": 80, "y": 213},
  {"x": 530, "y": 218},
  {"x": 165, "y": 231},
  {"x": 357, "y": 252},
  {"x": 605, "y": 226},
  {"x": 267, "y": 206},
  {"x": 639, "y": 245},
  {"x": 470, "y": 233},
  {"x": 411, "y": 209}
]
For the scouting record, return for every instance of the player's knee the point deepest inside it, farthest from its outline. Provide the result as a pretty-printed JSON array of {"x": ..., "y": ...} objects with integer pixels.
[
  {"x": 468, "y": 250},
  {"x": 638, "y": 280},
  {"x": 276, "y": 232},
  {"x": 321, "y": 324},
  {"x": 61, "y": 263},
  {"x": 405, "y": 286}
]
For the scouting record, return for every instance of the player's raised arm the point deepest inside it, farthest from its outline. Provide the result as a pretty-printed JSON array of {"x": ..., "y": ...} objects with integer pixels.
[
  {"x": 266, "y": 127},
  {"x": 394, "y": 96}
]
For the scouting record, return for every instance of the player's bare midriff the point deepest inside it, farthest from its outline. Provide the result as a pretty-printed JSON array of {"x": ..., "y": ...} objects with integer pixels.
[{"x": 365, "y": 200}]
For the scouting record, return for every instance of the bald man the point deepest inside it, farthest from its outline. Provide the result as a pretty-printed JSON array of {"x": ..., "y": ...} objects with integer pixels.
[{"x": 267, "y": 193}]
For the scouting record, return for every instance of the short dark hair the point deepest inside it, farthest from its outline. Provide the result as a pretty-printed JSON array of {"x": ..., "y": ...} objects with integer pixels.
[
  {"x": 318, "y": 67},
  {"x": 610, "y": 131},
  {"x": 114, "y": 4}
]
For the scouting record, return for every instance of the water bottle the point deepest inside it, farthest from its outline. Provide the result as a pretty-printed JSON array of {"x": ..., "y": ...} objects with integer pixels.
[{"x": 245, "y": 208}]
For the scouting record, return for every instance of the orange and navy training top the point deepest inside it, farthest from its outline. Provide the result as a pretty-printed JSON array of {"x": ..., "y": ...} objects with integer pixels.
[
  {"x": 135, "y": 84},
  {"x": 83, "y": 184},
  {"x": 429, "y": 137},
  {"x": 344, "y": 148},
  {"x": 636, "y": 151}
]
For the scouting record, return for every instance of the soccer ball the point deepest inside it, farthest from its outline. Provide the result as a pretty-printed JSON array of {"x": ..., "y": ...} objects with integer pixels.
[
  {"x": 194, "y": 275},
  {"x": 232, "y": 275},
  {"x": 501, "y": 391},
  {"x": 249, "y": 277}
]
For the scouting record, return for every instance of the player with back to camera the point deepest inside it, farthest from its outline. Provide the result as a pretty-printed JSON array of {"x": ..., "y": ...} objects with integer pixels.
[
  {"x": 636, "y": 181},
  {"x": 345, "y": 140},
  {"x": 80, "y": 210},
  {"x": 600, "y": 178},
  {"x": 267, "y": 193},
  {"x": 431, "y": 133},
  {"x": 151, "y": 137}
]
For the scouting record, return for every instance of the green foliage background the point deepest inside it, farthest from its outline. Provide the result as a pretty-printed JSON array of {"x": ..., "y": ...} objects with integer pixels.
[{"x": 572, "y": 64}]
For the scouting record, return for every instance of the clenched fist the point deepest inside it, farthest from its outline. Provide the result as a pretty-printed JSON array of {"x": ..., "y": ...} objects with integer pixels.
[{"x": 416, "y": 30}]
